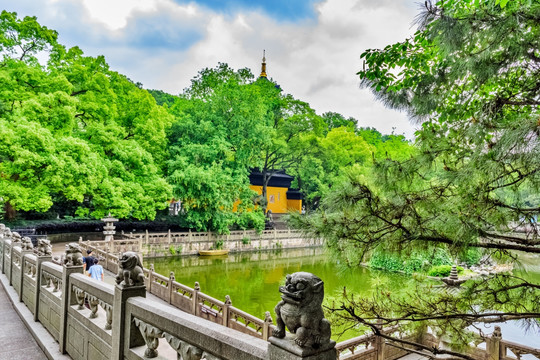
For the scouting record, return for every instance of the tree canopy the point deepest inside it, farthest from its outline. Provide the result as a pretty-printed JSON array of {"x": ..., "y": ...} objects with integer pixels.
[
  {"x": 72, "y": 130},
  {"x": 79, "y": 139},
  {"x": 470, "y": 76}
]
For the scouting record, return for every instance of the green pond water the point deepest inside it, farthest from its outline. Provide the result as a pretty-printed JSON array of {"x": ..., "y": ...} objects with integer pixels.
[{"x": 252, "y": 280}]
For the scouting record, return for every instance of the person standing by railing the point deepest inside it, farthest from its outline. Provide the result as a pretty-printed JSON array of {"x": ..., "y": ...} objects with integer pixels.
[
  {"x": 96, "y": 271},
  {"x": 88, "y": 261}
]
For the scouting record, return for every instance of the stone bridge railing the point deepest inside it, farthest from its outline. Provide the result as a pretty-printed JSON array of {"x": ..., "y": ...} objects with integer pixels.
[
  {"x": 94, "y": 320},
  {"x": 193, "y": 300},
  {"x": 189, "y": 243}
]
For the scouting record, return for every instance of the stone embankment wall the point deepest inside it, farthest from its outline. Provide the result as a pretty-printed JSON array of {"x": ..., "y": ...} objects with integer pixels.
[{"x": 190, "y": 243}]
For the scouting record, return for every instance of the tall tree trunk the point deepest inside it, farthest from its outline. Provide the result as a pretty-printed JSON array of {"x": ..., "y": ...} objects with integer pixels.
[
  {"x": 264, "y": 191},
  {"x": 9, "y": 211}
]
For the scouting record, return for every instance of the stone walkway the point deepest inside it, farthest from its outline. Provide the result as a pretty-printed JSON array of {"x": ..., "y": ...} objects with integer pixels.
[{"x": 16, "y": 342}]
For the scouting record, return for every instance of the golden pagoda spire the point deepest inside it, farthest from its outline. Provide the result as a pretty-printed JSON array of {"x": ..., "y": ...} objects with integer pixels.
[{"x": 263, "y": 67}]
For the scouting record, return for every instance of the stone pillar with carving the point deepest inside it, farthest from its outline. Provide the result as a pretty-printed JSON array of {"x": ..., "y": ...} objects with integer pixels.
[
  {"x": 129, "y": 283},
  {"x": 73, "y": 264},
  {"x": 41, "y": 257},
  {"x": 493, "y": 345},
  {"x": 300, "y": 311}
]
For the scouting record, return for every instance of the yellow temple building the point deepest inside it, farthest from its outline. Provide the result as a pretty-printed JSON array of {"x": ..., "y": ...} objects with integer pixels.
[{"x": 280, "y": 197}]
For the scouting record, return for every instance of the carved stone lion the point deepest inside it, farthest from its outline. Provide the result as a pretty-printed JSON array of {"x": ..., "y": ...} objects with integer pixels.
[
  {"x": 73, "y": 256},
  {"x": 44, "y": 247},
  {"x": 15, "y": 237},
  {"x": 130, "y": 271},
  {"x": 301, "y": 310},
  {"x": 27, "y": 243}
]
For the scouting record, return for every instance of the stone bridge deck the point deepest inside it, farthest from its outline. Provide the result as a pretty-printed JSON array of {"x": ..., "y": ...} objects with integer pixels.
[{"x": 16, "y": 342}]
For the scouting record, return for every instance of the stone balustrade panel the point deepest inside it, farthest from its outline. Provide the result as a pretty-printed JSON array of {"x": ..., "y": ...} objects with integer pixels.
[
  {"x": 16, "y": 266},
  {"x": 358, "y": 348},
  {"x": 50, "y": 303},
  {"x": 181, "y": 331},
  {"x": 182, "y": 297},
  {"x": 512, "y": 351},
  {"x": 245, "y": 323},
  {"x": 7, "y": 258},
  {"x": 160, "y": 286},
  {"x": 89, "y": 319},
  {"x": 209, "y": 308},
  {"x": 29, "y": 281}
]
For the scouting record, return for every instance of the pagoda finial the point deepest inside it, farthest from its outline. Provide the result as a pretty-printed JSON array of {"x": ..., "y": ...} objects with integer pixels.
[{"x": 263, "y": 67}]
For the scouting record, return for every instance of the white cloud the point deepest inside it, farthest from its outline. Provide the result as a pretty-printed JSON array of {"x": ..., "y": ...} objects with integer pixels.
[{"x": 163, "y": 45}]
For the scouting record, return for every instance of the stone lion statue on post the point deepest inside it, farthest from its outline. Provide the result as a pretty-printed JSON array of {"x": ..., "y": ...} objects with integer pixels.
[
  {"x": 130, "y": 272},
  {"x": 44, "y": 247},
  {"x": 300, "y": 310},
  {"x": 73, "y": 255}
]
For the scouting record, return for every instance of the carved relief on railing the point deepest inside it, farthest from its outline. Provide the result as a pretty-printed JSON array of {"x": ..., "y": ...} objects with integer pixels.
[
  {"x": 17, "y": 257},
  {"x": 356, "y": 345},
  {"x": 151, "y": 335},
  {"x": 94, "y": 302},
  {"x": 517, "y": 350},
  {"x": 246, "y": 322},
  {"x": 187, "y": 351},
  {"x": 182, "y": 290},
  {"x": 160, "y": 280},
  {"x": 30, "y": 268},
  {"x": 51, "y": 281}
]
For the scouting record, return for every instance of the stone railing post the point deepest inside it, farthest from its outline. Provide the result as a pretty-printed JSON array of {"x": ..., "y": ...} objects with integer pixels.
[
  {"x": 267, "y": 326},
  {"x": 120, "y": 322},
  {"x": 189, "y": 234},
  {"x": 132, "y": 285},
  {"x": 140, "y": 243},
  {"x": 493, "y": 344},
  {"x": 171, "y": 280},
  {"x": 11, "y": 263},
  {"x": 195, "y": 299},
  {"x": 380, "y": 343},
  {"x": 66, "y": 301},
  {"x": 150, "y": 280},
  {"x": 169, "y": 236},
  {"x": 21, "y": 280},
  {"x": 146, "y": 236},
  {"x": 39, "y": 260},
  {"x": 107, "y": 258},
  {"x": 312, "y": 342},
  {"x": 226, "y": 310}
]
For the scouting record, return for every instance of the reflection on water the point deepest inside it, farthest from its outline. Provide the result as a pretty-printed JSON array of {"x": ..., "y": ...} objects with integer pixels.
[{"x": 252, "y": 280}]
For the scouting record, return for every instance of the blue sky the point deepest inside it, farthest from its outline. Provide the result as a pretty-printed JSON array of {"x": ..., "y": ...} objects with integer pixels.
[
  {"x": 280, "y": 10},
  {"x": 312, "y": 47}
]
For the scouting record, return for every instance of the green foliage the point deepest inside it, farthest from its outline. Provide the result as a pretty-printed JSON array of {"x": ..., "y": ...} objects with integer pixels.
[
  {"x": 469, "y": 76},
  {"x": 471, "y": 256},
  {"x": 218, "y": 245},
  {"x": 409, "y": 262},
  {"x": 75, "y": 131},
  {"x": 251, "y": 220},
  {"x": 443, "y": 270},
  {"x": 218, "y": 134},
  {"x": 246, "y": 240},
  {"x": 172, "y": 250}
]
